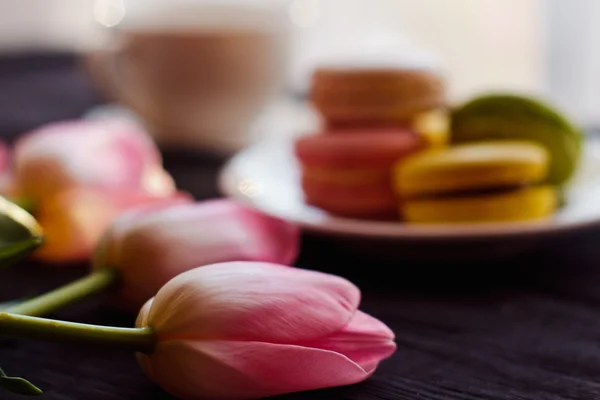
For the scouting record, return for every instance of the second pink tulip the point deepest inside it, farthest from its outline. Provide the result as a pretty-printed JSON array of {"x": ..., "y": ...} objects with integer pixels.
[{"x": 153, "y": 245}]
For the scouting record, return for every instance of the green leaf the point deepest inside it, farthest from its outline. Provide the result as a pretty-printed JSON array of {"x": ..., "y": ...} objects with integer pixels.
[
  {"x": 18, "y": 385},
  {"x": 13, "y": 252},
  {"x": 20, "y": 234}
]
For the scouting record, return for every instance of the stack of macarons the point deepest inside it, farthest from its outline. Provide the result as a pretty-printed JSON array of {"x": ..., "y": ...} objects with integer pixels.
[
  {"x": 389, "y": 149},
  {"x": 372, "y": 118},
  {"x": 349, "y": 174}
]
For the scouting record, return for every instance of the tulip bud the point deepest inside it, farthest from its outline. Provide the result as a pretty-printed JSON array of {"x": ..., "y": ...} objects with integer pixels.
[
  {"x": 99, "y": 154},
  {"x": 251, "y": 330},
  {"x": 150, "y": 248},
  {"x": 74, "y": 220}
]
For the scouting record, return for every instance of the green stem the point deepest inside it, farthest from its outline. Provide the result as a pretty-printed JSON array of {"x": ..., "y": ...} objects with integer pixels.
[
  {"x": 68, "y": 294},
  {"x": 21, "y": 326}
]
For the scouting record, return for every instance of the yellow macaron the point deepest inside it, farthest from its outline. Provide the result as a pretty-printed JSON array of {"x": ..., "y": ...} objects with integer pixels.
[
  {"x": 527, "y": 204},
  {"x": 471, "y": 167},
  {"x": 480, "y": 182}
]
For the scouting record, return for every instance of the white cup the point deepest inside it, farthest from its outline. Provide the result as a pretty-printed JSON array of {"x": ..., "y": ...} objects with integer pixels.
[{"x": 196, "y": 72}]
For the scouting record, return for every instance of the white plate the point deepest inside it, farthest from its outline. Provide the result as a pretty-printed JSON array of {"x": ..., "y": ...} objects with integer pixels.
[{"x": 266, "y": 177}]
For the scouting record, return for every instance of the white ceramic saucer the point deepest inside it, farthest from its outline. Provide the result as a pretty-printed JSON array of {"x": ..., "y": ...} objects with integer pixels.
[{"x": 266, "y": 177}]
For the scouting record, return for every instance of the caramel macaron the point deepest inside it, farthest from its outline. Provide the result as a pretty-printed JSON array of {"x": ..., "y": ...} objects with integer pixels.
[{"x": 375, "y": 96}]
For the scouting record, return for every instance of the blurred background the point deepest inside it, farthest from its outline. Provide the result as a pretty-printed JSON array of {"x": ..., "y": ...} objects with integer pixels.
[{"x": 541, "y": 47}]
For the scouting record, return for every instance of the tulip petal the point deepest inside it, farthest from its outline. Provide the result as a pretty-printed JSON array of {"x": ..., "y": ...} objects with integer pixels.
[
  {"x": 365, "y": 340},
  {"x": 157, "y": 181},
  {"x": 142, "y": 319},
  {"x": 253, "y": 301},
  {"x": 72, "y": 221},
  {"x": 222, "y": 370},
  {"x": 280, "y": 238}
]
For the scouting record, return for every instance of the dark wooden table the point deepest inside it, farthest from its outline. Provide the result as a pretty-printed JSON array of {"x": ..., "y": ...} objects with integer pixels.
[{"x": 525, "y": 328}]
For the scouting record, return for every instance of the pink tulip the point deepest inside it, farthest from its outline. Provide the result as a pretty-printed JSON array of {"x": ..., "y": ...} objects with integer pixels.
[
  {"x": 74, "y": 220},
  {"x": 150, "y": 248},
  {"x": 99, "y": 154},
  {"x": 251, "y": 330}
]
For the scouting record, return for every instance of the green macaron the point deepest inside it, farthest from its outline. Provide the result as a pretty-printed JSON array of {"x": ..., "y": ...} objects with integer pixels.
[{"x": 513, "y": 117}]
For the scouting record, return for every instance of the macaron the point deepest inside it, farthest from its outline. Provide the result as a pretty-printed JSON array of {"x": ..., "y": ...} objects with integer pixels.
[
  {"x": 511, "y": 117},
  {"x": 375, "y": 96},
  {"x": 433, "y": 126},
  {"x": 535, "y": 203},
  {"x": 374, "y": 201},
  {"x": 482, "y": 182},
  {"x": 350, "y": 175}
]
